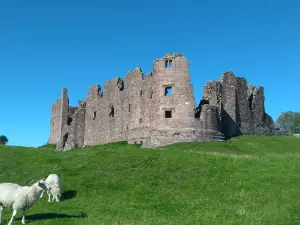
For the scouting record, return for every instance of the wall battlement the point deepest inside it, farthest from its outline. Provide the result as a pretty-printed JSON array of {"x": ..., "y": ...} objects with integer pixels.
[{"x": 159, "y": 108}]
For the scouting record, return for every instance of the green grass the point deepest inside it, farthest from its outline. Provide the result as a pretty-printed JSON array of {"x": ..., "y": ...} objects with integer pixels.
[{"x": 247, "y": 180}]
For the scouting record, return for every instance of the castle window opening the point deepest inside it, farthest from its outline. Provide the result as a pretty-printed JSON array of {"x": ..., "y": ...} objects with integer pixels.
[
  {"x": 94, "y": 115},
  {"x": 69, "y": 120},
  {"x": 250, "y": 100},
  {"x": 65, "y": 139},
  {"x": 168, "y": 114},
  {"x": 168, "y": 63},
  {"x": 112, "y": 111},
  {"x": 140, "y": 120},
  {"x": 168, "y": 91},
  {"x": 129, "y": 108},
  {"x": 141, "y": 93},
  {"x": 151, "y": 94}
]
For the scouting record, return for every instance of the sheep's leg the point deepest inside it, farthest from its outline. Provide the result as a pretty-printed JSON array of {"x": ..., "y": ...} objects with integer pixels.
[
  {"x": 12, "y": 217},
  {"x": 49, "y": 197},
  {"x": 56, "y": 198},
  {"x": 42, "y": 194},
  {"x": 24, "y": 214},
  {"x": 1, "y": 209}
]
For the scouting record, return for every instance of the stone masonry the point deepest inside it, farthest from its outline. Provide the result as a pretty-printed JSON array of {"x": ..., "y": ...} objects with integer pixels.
[{"x": 159, "y": 108}]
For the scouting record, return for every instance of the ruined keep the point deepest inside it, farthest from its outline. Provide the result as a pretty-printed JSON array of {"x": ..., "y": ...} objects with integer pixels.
[{"x": 159, "y": 108}]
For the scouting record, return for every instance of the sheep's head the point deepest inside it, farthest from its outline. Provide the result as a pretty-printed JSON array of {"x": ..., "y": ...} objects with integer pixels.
[{"x": 43, "y": 184}]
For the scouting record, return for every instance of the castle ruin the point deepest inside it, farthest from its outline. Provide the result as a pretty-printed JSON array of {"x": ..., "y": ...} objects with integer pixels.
[{"x": 159, "y": 108}]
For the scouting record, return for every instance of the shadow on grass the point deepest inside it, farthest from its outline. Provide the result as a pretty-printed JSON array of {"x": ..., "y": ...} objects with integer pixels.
[
  {"x": 68, "y": 195},
  {"x": 46, "y": 216}
]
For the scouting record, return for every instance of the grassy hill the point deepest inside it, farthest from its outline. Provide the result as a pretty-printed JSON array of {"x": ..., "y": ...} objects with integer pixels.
[{"x": 247, "y": 180}]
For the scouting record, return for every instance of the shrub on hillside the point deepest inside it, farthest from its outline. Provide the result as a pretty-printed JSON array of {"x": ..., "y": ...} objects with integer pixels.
[{"x": 3, "y": 140}]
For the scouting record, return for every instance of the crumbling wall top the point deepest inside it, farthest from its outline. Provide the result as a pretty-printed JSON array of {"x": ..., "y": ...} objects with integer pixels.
[
  {"x": 254, "y": 90},
  {"x": 114, "y": 84},
  {"x": 211, "y": 88},
  {"x": 228, "y": 78},
  {"x": 133, "y": 77},
  {"x": 170, "y": 60},
  {"x": 212, "y": 84},
  {"x": 95, "y": 92},
  {"x": 64, "y": 91},
  {"x": 138, "y": 69},
  {"x": 172, "y": 55}
]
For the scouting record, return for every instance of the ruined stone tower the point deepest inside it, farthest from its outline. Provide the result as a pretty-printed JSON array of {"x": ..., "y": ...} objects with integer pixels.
[
  {"x": 159, "y": 108},
  {"x": 174, "y": 102},
  {"x": 59, "y": 116}
]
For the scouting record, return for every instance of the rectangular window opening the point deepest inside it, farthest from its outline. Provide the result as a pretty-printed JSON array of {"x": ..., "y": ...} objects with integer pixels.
[
  {"x": 129, "y": 108},
  {"x": 168, "y": 91},
  {"x": 168, "y": 114},
  {"x": 168, "y": 63},
  {"x": 112, "y": 111}
]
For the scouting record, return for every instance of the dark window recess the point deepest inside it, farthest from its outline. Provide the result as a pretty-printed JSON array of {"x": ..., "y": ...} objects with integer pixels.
[
  {"x": 168, "y": 114},
  {"x": 140, "y": 120},
  {"x": 141, "y": 93},
  {"x": 250, "y": 101},
  {"x": 94, "y": 115},
  {"x": 151, "y": 94},
  {"x": 168, "y": 63},
  {"x": 65, "y": 138},
  {"x": 112, "y": 111},
  {"x": 129, "y": 108},
  {"x": 198, "y": 109},
  {"x": 168, "y": 91},
  {"x": 69, "y": 120}
]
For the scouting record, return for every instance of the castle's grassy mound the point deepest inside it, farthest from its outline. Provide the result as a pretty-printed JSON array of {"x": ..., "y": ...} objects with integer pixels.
[{"x": 247, "y": 180}]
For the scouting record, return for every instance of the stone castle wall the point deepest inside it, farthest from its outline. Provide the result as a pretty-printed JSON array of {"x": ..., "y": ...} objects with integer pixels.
[
  {"x": 241, "y": 107},
  {"x": 59, "y": 116},
  {"x": 55, "y": 122},
  {"x": 159, "y": 109}
]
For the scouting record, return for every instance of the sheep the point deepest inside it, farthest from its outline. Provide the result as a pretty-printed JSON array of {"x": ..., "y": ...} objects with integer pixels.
[
  {"x": 54, "y": 182},
  {"x": 20, "y": 197}
]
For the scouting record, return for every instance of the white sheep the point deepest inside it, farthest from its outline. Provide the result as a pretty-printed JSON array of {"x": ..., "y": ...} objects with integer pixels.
[
  {"x": 20, "y": 197},
  {"x": 54, "y": 182}
]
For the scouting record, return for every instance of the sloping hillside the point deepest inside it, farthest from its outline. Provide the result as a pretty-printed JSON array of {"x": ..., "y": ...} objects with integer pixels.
[{"x": 247, "y": 180}]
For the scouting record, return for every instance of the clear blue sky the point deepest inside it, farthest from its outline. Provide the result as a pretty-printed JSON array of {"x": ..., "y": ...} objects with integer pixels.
[{"x": 47, "y": 45}]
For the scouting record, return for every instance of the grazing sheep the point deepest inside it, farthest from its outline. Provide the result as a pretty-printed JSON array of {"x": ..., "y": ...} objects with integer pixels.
[
  {"x": 54, "y": 182},
  {"x": 20, "y": 197}
]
